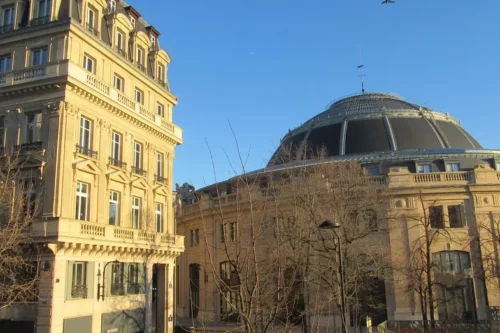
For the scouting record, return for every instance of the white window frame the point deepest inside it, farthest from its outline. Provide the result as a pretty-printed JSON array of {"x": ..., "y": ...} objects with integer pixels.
[
  {"x": 83, "y": 279},
  {"x": 37, "y": 56},
  {"x": 111, "y": 6},
  {"x": 89, "y": 64},
  {"x": 82, "y": 195},
  {"x": 136, "y": 212},
  {"x": 452, "y": 167},
  {"x": 8, "y": 15},
  {"x": 153, "y": 41},
  {"x": 85, "y": 133},
  {"x": 33, "y": 127},
  {"x": 116, "y": 146},
  {"x": 114, "y": 200},
  {"x": 91, "y": 13},
  {"x": 140, "y": 56},
  {"x": 160, "y": 165},
  {"x": 139, "y": 96},
  {"x": 120, "y": 38},
  {"x": 160, "y": 109},
  {"x": 118, "y": 83},
  {"x": 132, "y": 20},
  {"x": 161, "y": 72},
  {"x": 5, "y": 63},
  {"x": 138, "y": 149},
  {"x": 159, "y": 216},
  {"x": 424, "y": 165}
]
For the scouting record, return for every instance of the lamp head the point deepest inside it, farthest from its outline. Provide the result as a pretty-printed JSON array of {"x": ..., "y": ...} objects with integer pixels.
[{"x": 327, "y": 224}]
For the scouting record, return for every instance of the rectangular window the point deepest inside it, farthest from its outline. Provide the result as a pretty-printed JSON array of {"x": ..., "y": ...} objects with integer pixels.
[
  {"x": 159, "y": 217},
  {"x": 5, "y": 63},
  {"x": 137, "y": 156},
  {"x": 111, "y": 6},
  {"x": 114, "y": 208},
  {"x": 89, "y": 64},
  {"x": 222, "y": 233},
  {"x": 91, "y": 18},
  {"x": 118, "y": 83},
  {"x": 133, "y": 279},
  {"x": 117, "y": 279},
  {"x": 140, "y": 56},
  {"x": 85, "y": 133},
  {"x": 424, "y": 168},
  {"x": 44, "y": 8},
  {"x": 139, "y": 96},
  {"x": 116, "y": 147},
  {"x": 40, "y": 56},
  {"x": 191, "y": 238},
  {"x": 372, "y": 171},
  {"x": 159, "y": 165},
  {"x": 34, "y": 127},
  {"x": 161, "y": 73},
  {"x": 452, "y": 167},
  {"x": 132, "y": 20},
  {"x": 7, "y": 18},
  {"x": 153, "y": 42},
  {"x": 119, "y": 42},
  {"x": 456, "y": 216},
  {"x": 160, "y": 110},
  {"x": 232, "y": 231},
  {"x": 82, "y": 201},
  {"x": 29, "y": 196},
  {"x": 79, "y": 280},
  {"x": 136, "y": 212},
  {"x": 436, "y": 217},
  {"x": 197, "y": 236}
]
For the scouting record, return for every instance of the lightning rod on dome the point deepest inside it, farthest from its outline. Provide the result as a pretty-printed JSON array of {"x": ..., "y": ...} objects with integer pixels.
[{"x": 361, "y": 73}]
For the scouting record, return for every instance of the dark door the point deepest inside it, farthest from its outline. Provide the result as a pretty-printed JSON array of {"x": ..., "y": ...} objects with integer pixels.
[{"x": 194, "y": 286}]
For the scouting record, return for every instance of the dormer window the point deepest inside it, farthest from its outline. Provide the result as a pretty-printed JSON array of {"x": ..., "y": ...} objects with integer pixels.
[
  {"x": 140, "y": 59},
  {"x": 111, "y": 6},
  {"x": 7, "y": 19},
  {"x": 44, "y": 8},
  {"x": 91, "y": 19},
  {"x": 132, "y": 20},
  {"x": 161, "y": 74},
  {"x": 153, "y": 42}
]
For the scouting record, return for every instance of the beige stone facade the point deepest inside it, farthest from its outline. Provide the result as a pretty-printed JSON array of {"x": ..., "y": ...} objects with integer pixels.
[
  {"x": 84, "y": 93},
  {"x": 476, "y": 191}
]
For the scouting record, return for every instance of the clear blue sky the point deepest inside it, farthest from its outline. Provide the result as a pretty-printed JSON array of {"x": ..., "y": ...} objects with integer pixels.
[{"x": 269, "y": 65}]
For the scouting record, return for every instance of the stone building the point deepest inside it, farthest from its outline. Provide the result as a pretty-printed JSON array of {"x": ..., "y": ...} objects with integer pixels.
[
  {"x": 84, "y": 97},
  {"x": 430, "y": 165}
]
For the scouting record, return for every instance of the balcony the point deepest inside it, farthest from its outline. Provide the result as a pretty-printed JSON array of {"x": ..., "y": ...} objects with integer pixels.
[
  {"x": 40, "y": 20},
  {"x": 162, "y": 83},
  {"x": 90, "y": 27},
  {"x": 139, "y": 171},
  {"x": 117, "y": 163},
  {"x": 86, "y": 151},
  {"x": 161, "y": 179},
  {"x": 121, "y": 52},
  {"x": 29, "y": 147},
  {"x": 140, "y": 66},
  {"x": 30, "y": 73},
  {"x": 6, "y": 28},
  {"x": 79, "y": 291},
  {"x": 133, "y": 288}
]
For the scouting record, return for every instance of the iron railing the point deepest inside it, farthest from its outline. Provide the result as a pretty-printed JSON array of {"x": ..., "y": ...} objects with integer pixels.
[
  {"x": 31, "y": 146},
  {"x": 133, "y": 288},
  {"x": 141, "y": 66},
  {"x": 117, "y": 289},
  {"x": 477, "y": 326},
  {"x": 79, "y": 291},
  {"x": 86, "y": 151},
  {"x": 160, "y": 179},
  {"x": 120, "y": 51},
  {"x": 162, "y": 83},
  {"x": 117, "y": 163},
  {"x": 139, "y": 171},
  {"x": 40, "y": 20},
  {"x": 92, "y": 29},
  {"x": 6, "y": 28}
]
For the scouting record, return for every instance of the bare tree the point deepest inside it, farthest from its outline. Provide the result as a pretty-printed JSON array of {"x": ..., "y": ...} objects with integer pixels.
[{"x": 19, "y": 196}]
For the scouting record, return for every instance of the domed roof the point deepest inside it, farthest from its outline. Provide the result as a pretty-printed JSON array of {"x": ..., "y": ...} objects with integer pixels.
[{"x": 377, "y": 122}]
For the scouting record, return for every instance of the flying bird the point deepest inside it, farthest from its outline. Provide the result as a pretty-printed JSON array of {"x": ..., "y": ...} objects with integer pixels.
[{"x": 387, "y": 1}]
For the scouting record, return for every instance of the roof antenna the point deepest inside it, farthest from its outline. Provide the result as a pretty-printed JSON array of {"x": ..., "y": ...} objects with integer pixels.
[{"x": 361, "y": 73}]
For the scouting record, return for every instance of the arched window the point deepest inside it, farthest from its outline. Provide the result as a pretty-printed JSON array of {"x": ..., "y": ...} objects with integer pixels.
[{"x": 451, "y": 261}]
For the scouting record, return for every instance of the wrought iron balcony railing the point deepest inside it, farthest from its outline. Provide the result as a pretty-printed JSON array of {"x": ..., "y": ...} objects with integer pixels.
[
  {"x": 141, "y": 66},
  {"x": 160, "y": 179},
  {"x": 117, "y": 163},
  {"x": 92, "y": 29},
  {"x": 117, "y": 289},
  {"x": 120, "y": 51},
  {"x": 31, "y": 146},
  {"x": 139, "y": 171},
  {"x": 40, "y": 20},
  {"x": 79, "y": 291},
  {"x": 133, "y": 288},
  {"x": 6, "y": 28},
  {"x": 162, "y": 83},
  {"x": 86, "y": 151}
]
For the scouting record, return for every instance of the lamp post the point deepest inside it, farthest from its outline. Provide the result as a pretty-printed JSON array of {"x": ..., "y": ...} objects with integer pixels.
[
  {"x": 335, "y": 225},
  {"x": 99, "y": 286}
]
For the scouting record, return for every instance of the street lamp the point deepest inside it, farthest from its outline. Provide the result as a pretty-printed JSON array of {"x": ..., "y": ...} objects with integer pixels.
[
  {"x": 335, "y": 225},
  {"x": 99, "y": 287}
]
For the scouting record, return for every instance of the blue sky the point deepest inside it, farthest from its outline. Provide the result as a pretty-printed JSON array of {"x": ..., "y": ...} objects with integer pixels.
[{"x": 266, "y": 66}]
